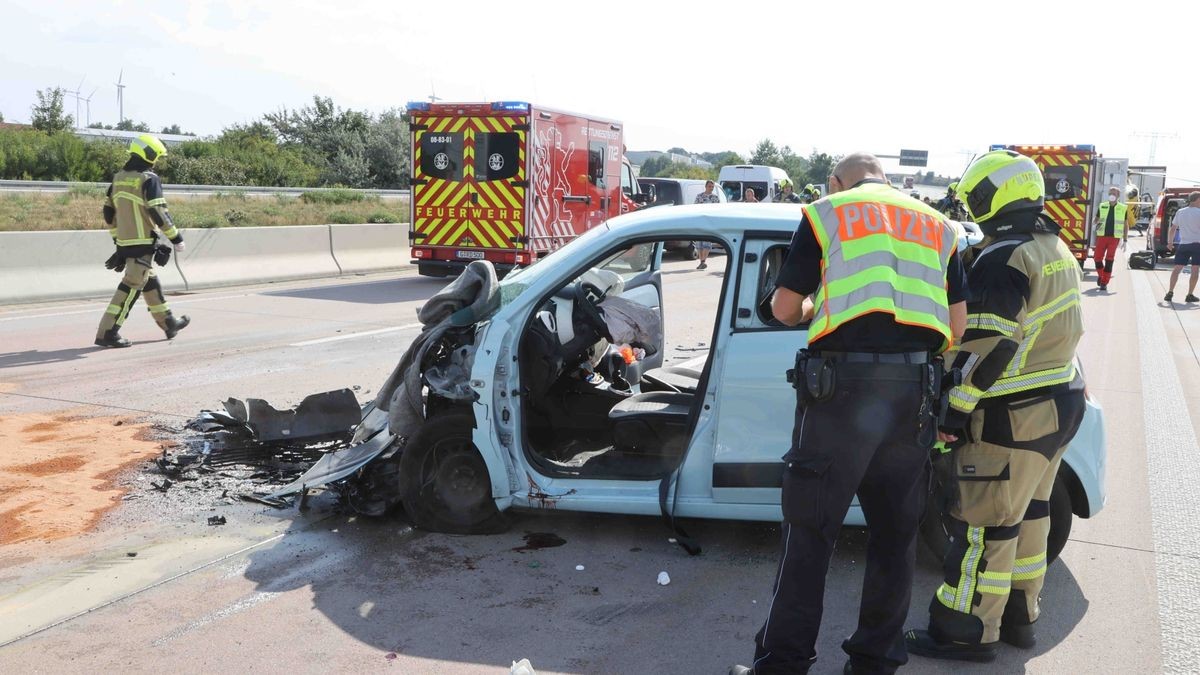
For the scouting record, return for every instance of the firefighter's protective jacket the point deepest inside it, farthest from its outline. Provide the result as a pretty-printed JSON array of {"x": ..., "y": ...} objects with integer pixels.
[
  {"x": 134, "y": 207},
  {"x": 1023, "y": 324}
]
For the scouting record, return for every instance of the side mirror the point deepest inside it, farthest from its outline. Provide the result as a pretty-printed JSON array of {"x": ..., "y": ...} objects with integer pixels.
[{"x": 644, "y": 198}]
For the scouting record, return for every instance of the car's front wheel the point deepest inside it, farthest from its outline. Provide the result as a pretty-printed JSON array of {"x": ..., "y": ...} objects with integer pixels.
[
  {"x": 444, "y": 483},
  {"x": 935, "y": 533}
]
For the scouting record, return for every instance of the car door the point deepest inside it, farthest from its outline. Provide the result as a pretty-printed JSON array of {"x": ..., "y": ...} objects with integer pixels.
[{"x": 757, "y": 405}]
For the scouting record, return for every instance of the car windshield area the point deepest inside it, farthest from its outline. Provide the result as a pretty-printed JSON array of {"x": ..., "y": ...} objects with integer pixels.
[
  {"x": 624, "y": 336},
  {"x": 665, "y": 192},
  {"x": 735, "y": 190}
]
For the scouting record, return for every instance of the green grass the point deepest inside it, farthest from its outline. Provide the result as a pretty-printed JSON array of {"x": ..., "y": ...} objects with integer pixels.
[{"x": 80, "y": 209}]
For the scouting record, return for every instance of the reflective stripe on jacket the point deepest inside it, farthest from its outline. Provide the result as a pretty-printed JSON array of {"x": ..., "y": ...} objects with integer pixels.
[
  {"x": 881, "y": 251},
  {"x": 1024, "y": 326},
  {"x": 1118, "y": 219},
  {"x": 133, "y": 223}
]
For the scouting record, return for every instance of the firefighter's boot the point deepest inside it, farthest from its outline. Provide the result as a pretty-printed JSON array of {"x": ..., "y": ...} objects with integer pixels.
[
  {"x": 111, "y": 338},
  {"x": 172, "y": 326}
]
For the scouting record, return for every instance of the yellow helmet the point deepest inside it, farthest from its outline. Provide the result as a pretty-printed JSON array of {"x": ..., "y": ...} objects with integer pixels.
[
  {"x": 148, "y": 148},
  {"x": 1001, "y": 182}
]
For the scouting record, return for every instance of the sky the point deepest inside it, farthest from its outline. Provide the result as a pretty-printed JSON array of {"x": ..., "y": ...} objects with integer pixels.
[{"x": 947, "y": 77}]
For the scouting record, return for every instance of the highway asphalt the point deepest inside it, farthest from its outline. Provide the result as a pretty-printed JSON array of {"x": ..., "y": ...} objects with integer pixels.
[{"x": 277, "y": 591}]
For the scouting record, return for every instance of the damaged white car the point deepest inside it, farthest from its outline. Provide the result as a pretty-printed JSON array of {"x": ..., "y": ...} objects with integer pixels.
[{"x": 547, "y": 390}]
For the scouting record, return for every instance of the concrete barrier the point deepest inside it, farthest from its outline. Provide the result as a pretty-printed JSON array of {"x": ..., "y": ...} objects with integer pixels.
[
  {"x": 370, "y": 248},
  {"x": 41, "y": 266},
  {"x": 247, "y": 255}
]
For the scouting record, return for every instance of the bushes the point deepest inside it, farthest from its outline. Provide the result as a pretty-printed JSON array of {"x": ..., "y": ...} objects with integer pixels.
[
  {"x": 335, "y": 196},
  {"x": 35, "y": 155}
]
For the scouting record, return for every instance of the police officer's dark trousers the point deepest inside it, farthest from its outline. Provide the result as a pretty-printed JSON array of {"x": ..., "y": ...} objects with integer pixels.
[{"x": 864, "y": 441}]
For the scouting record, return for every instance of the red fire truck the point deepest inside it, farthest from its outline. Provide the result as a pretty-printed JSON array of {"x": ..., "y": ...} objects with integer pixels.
[
  {"x": 510, "y": 182},
  {"x": 1077, "y": 177}
]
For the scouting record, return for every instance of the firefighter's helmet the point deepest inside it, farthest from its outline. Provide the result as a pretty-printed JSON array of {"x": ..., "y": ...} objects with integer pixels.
[
  {"x": 148, "y": 148},
  {"x": 1002, "y": 182},
  {"x": 1131, "y": 193},
  {"x": 952, "y": 187}
]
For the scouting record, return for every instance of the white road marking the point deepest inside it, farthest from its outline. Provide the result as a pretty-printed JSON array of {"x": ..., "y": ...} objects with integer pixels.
[
  {"x": 97, "y": 307},
  {"x": 1174, "y": 473},
  {"x": 350, "y": 336}
]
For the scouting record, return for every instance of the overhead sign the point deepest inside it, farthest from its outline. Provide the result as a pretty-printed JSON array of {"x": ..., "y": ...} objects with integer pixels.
[{"x": 914, "y": 157}]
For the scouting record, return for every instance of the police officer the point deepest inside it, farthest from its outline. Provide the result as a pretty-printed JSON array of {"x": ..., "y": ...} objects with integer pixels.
[
  {"x": 134, "y": 210},
  {"x": 877, "y": 276},
  {"x": 1019, "y": 403},
  {"x": 1113, "y": 221},
  {"x": 787, "y": 194}
]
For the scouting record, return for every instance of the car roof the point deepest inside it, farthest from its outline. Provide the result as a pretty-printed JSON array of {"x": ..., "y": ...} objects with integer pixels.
[
  {"x": 723, "y": 217},
  {"x": 681, "y": 181}
]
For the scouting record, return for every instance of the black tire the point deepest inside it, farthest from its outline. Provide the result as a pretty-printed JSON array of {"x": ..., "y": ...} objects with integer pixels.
[
  {"x": 444, "y": 482},
  {"x": 936, "y": 537}
]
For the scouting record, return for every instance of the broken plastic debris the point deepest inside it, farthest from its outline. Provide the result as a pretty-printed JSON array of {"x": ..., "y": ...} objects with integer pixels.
[
  {"x": 579, "y": 568},
  {"x": 390, "y": 656},
  {"x": 522, "y": 667},
  {"x": 216, "y": 520},
  {"x": 672, "y": 541},
  {"x": 663, "y": 578}
]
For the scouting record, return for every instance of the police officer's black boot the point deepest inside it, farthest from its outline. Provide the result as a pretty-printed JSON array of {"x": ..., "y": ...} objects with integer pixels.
[
  {"x": 112, "y": 338},
  {"x": 175, "y": 325}
]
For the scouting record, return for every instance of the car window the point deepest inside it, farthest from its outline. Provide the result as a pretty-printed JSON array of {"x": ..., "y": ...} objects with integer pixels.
[
  {"x": 762, "y": 260},
  {"x": 691, "y": 191},
  {"x": 667, "y": 192},
  {"x": 596, "y": 163},
  {"x": 631, "y": 261},
  {"x": 626, "y": 179}
]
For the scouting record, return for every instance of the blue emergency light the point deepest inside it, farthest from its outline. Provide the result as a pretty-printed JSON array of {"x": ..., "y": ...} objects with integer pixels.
[
  {"x": 520, "y": 106},
  {"x": 419, "y": 106}
]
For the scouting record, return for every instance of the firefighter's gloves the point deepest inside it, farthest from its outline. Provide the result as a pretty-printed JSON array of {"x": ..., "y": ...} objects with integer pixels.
[{"x": 115, "y": 262}]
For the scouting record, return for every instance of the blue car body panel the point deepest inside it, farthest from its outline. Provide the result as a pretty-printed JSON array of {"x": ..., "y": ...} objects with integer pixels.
[{"x": 745, "y": 424}]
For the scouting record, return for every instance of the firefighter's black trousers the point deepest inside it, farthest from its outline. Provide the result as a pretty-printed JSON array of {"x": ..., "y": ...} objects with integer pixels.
[{"x": 864, "y": 440}]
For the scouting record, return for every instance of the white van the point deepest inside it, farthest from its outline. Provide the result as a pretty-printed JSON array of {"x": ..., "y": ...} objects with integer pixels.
[{"x": 764, "y": 180}]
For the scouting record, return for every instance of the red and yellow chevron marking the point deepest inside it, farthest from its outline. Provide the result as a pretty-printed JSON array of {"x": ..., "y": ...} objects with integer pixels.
[{"x": 445, "y": 210}]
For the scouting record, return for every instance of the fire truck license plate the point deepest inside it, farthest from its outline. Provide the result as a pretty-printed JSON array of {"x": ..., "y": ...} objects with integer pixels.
[{"x": 470, "y": 255}]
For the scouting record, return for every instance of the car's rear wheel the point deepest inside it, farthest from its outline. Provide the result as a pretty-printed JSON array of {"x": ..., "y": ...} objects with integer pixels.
[
  {"x": 444, "y": 482},
  {"x": 936, "y": 535}
]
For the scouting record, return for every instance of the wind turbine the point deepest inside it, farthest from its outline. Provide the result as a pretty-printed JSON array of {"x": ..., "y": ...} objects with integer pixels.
[
  {"x": 88, "y": 103},
  {"x": 77, "y": 97},
  {"x": 120, "y": 98},
  {"x": 433, "y": 97}
]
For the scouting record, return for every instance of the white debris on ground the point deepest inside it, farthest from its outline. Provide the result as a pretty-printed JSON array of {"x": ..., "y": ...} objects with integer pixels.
[
  {"x": 663, "y": 578},
  {"x": 579, "y": 568},
  {"x": 522, "y": 667}
]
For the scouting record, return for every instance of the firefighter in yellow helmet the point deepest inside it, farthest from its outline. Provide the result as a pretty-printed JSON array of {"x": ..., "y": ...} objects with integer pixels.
[
  {"x": 1012, "y": 412},
  {"x": 136, "y": 212},
  {"x": 787, "y": 193}
]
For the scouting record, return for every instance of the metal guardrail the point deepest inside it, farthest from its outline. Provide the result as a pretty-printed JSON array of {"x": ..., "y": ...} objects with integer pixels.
[{"x": 63, "y": 186}]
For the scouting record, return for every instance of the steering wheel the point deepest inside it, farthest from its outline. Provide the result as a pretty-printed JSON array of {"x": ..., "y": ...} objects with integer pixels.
[{"x": 587, "y": 298}]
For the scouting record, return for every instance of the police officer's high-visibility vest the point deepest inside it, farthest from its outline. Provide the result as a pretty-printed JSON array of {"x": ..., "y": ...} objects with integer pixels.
[
  {"x": 880, "y": 252},
  {"x": 132, "y": 224},
  {"x": 1118, "y": 219}
]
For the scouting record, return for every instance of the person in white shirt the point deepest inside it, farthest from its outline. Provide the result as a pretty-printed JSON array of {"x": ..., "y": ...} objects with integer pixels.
[{"x": 1187, "y": 223}]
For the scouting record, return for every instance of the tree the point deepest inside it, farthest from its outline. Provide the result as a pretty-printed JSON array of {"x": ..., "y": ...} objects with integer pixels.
[
  {"x": 387, "y": 151},
  {"x": 173, "y": 129},
  {"x": 720, "y": 159},
  {"x": 679, "y": 151},
  {"x": 654, "y": 166},
  {"x": 765, "y": 153},
  {"x": 820, "y": 165},
  {"x": 130, "y": 125},
  {"x": 1, "y": 117},
  {"x": 47, "y": 113}
]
